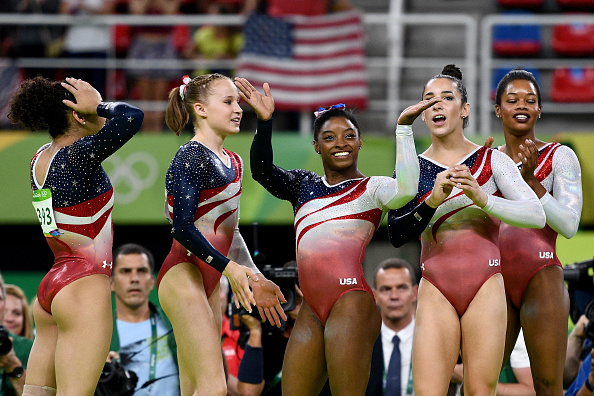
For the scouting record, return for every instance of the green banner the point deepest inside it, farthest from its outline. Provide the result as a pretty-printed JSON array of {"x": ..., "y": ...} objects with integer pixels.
[{"x": 137, "y": 172}]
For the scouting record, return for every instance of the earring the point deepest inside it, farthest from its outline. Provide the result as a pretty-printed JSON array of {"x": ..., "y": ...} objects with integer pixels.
[
  {"x": 538, "y": 115},
  {"x": 498, "y": 115},
  {"x": 318, "y": 152},
  {"x": 84, "y": 123}
]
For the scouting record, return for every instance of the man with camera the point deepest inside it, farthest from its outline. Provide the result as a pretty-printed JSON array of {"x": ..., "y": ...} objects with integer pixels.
[
  {"x": 260, "y": 370},
  {"x": 142, "y": 335},
  {"x": 14, "y": 353}
]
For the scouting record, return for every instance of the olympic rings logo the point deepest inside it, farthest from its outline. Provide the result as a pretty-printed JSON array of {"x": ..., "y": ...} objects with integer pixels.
[{"x": 129, "y": 176}]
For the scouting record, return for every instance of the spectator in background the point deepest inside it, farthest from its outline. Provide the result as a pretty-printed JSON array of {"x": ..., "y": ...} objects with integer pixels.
[
  {"x": 583, "y": 385},
  {"x": 17, "y": 315},
  {"x": 86, "y": 40},
  {"x": 395, "y": 293},
  {"x": 578, "y": 348},
  {"x": 212, "y": 42},
  {"x": 37, "y": 41},
  {"x": 260, "y": 371},
  {"x": 152, "y": 43},
  {"x": 142, "y": 334},
  {"x": 280, "y": 8},
  {"x": 13, "y": 362}
]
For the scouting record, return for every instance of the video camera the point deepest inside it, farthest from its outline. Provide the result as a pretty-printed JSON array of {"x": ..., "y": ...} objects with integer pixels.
[
  {"x": 5, "y": 342},
  {"x": 286, "y": 278},
  {"x": 581, "y": 292}
]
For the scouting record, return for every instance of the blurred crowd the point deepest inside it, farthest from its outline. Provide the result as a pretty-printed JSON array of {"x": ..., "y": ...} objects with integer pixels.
[{"x": 144, "y": 47}]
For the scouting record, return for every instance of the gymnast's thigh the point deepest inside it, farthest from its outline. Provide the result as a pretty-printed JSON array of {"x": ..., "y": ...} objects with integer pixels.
[
  {"x": 483, "y": 337},
  {"x": 351, "y": 331},
  {"x": 544, "y": 313},
  {"x": 197, "y": 332},
  {"x": 436, "y": 343},
  {"x": 41, "y": 365},
  {"x": 304, "y": 365}
]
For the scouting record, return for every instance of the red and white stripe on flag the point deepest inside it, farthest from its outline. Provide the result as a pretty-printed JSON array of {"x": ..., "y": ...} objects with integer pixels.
[{"x": 325, "y": 63}]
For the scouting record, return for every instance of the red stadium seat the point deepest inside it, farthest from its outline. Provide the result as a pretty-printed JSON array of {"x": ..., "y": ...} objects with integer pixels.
[
  {"x": 573, "y": 40},
  {"x": 572, "y": 85},
  {"x": 520, "y": 3},
  {"x": 122, "y": 39},
  {"x": 576, "y": 4}
]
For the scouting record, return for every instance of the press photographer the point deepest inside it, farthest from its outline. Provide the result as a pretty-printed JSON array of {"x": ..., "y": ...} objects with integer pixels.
[
  {"x": 142, "y": 336},
  {"x": 14, "y": 353},
  {"x": 260, "y": 369},
  {"x": 578, "y": 372}
]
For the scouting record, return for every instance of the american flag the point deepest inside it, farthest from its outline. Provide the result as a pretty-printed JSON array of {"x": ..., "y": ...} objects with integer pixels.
[{"x": 309, "y": 62}]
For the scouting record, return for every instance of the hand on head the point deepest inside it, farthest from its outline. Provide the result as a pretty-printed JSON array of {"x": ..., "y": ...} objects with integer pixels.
[
  {"x": 87, "y": 97},
  {"x": 263, "y": 105}
]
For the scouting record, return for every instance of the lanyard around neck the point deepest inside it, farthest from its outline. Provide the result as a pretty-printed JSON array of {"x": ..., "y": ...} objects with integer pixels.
[{"x": 154, "y": 342}]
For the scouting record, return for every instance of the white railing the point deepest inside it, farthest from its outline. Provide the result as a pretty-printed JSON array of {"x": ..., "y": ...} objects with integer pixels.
[
  {"x": 489, "y": 62},
  {"x": 382, "y": 69}
]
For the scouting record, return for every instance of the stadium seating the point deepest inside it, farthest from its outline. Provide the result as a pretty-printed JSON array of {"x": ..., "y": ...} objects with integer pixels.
[
  {"x": 517, "y": 40},
  {"x": 572, "y": 85},
  {"x": 573, "y": 40}
]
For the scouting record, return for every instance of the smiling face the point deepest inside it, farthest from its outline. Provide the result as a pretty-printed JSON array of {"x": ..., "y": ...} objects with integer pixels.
[
  {"x": 338, "y": 142},
  {"x": 448, "y": 115},
  {"x": 519, "y": 108},
  {"x": 221, "y": 109}
]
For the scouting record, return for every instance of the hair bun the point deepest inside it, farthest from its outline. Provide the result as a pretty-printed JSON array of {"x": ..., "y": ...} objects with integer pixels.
[{"x": 452, "y": 70}]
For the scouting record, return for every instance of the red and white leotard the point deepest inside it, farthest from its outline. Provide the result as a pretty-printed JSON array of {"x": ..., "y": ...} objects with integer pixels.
[{"x": 525, "y": 252}]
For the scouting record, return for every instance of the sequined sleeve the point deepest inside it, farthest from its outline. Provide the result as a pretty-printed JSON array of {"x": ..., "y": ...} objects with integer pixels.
[
  {"x": 185, "y": 187},
  {"x": 403, "y": 187},
  {"x": 520, "y": 206},
  {"x": 123, "y": 121},
  {"x": 564, "y": 207},
  {"x": 240, "y": 253},
  {"x": 283, "y": 184}
]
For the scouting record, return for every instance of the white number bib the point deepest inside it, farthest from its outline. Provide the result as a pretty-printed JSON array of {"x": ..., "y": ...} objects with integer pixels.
[{"x": 42, "y": 202}]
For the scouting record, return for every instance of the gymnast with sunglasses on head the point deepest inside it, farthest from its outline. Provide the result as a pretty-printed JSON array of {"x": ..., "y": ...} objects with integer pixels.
[{"x": 336, "y": 215}]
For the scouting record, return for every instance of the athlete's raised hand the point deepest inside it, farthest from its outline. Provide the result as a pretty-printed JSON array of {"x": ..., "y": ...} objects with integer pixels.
[
  {"x": 268, "y": 298},
  {"x": 263, "y": 105},
  {"x": 411, "y": 113},
  {"x": 239, "y": 276},
  {"x": 87, "y": 97}
]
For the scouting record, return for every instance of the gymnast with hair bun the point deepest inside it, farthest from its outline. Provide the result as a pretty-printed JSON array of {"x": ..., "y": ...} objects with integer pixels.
[{"x": 465, "y": 191}]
